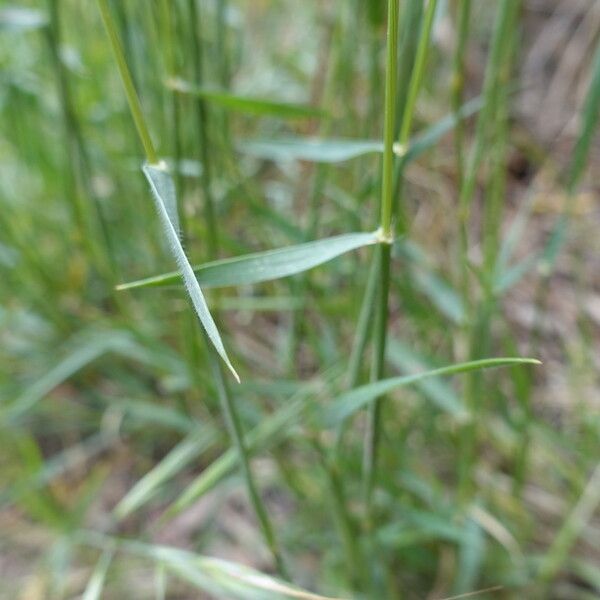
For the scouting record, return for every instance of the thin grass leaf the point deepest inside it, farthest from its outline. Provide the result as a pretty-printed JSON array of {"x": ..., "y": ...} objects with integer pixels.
[
  {"x": 246, "y": 104},
  {"x": 349, "y": 403},
  {"x": 58, "y": 465},
  {"x": 589, "y": 122},
  {"x": 470, "y": 557},
  {"x": 441, "y": 294},
  {"x": 143, "y": 412},
  {"x": 19, "y": 18},
  {"x": 512, "y": 275},
  {"x": 309, "y": 149},
  {"x": 223, "y": 579},
  {"x": 339, "y": 150},
  {"x": 264, "y": 266},
  {"x": 498, "y": 531},
  {"x": 158, "y": 178},
  {"x": 431, "y": 136},
  {"x": 172, "y": 464},
  {"x": 438, "y": 391},
  {"x": 93, "y": 590},
  {"x": 429, "y": 283},
  {"x": 265, "y": 434},
  {"x": 81, "y": 351},
  {"x": 571, "y": 529}
]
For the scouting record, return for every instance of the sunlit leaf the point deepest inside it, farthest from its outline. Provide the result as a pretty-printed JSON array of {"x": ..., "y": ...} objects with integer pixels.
[
  {"x": 163, "y": 192},
  {"x": 350, "y": 402},
  {"x": 246, "y": 104},
  {"x": 265, "y": 266}
]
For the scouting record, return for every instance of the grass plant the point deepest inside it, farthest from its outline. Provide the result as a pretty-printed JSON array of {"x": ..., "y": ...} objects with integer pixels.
[{"x": 331, "y": 194}]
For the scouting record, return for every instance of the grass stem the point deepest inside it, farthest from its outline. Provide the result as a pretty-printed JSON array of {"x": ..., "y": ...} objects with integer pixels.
[{"x": 132, "y": 98}]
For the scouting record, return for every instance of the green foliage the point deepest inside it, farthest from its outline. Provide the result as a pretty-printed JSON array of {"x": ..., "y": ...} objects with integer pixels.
[{"x": 373, "y": 449}]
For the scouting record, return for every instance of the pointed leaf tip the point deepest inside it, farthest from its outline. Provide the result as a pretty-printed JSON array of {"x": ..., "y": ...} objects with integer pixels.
[{"x": 163, "y": 193}]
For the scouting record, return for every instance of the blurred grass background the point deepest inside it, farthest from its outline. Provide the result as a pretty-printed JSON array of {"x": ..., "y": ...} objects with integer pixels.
[{"x": 109, "y": 420}]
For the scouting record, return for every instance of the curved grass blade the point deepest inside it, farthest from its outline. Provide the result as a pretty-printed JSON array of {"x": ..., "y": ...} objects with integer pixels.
[
  {"x": 94, "y": 588},
  {"x": 159, "y": 179},
  {"x": 174, "y": 462},
  {"x": 19, "y": 18},
  {"x": 436, "y": 390},
  {"x": 264, "y": 266},
  {"x": 270, "y": 429},
  {"x": 221, "y": 578},
  {"x": 350, "y": 402},
  {"x": 309, "y": 149},
  {"x": 246, "y": 104},
  {"x": 340, "y": 150},
  {"x": 432, "y": 135}
]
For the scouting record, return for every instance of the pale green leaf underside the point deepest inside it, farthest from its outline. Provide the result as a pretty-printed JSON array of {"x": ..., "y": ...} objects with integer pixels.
[
  {"x": 158, "y": 179},
  {"x": 349, "y": 403},
  {"x": 265, "y": 266},
  {"x": 246, "y": 104},
  {"x": 339, "y": 150},
  {"x": 220, "y": 578},
  {"x": 20, "y": 18}
]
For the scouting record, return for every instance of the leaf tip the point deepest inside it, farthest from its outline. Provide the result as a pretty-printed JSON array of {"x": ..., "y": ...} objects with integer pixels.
[{"x": 234, "y": 372}]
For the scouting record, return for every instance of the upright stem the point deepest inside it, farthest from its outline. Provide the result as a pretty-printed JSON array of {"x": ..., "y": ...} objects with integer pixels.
[
  {"x": 458, "y": 81},
  {"x": 203, "y": 141},
  {"x": 382, "y": 255},
  {"x": 132, "y": 97},
  {"x": 236, "y": 433},
  {"x": 390, "y": 118},
  {"x": 417, "y": 75},
  {"x": 227, "y": 404}
]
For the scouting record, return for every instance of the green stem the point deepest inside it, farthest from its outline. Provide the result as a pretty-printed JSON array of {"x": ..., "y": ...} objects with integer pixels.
[
  {"x": 132, "y": 98},
  {"x": 417, "y": 75},
  {"x": 236, "y": 432},
  {"x": 373, "y": 433},
  {"x": 458, "y": 82},
  {"x": 203, "y": 141},
  {"x": 390, "y": 117},
  {"x": 383, "y": 253}
]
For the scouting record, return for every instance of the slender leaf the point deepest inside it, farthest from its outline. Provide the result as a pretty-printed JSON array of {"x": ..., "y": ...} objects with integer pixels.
[
  {"x": 160, "y": 183},
  {"x": 438, "y": 391},
  {"x": 221, "y": 578},
  {"x": 246, "y": 104},
  {"x": 20, "y": 18},
  {"x": 265, "y": 266},
  {"x": 94, "y": 588},
  {"x": 339, "y": 150},
  {"x": 309, "y": 149},
  {"x": 270, "y": 429},
  {"x": 350, "y": 402},
  {"x": 172, "y": 464}
]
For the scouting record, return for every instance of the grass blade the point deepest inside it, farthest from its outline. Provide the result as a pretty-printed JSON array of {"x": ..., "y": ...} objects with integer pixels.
[
  {"x": 221, "y": 578},
  {"x": 158, "y": 178},
  {"x": 350, "y": 402},
  {"x": 94, "y": 588},
  {"x": 173, "y": 463},
  {"x": 265, "y": 266},
  {"x": 19, "y": 19},
  {"x": 309, "y": 149},
  {"x": 270, "y": 429},
  {"x": 572, "y": 528},
  {"x": 340, "y": 150},
  {"x": 246, "y": 104}
]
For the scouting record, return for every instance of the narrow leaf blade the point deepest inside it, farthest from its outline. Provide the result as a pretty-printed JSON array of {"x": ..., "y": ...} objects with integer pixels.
[
  {"x": 246, "y": 104},
  {"x": 309, "y": 149},
  {"x": 265, "y": 266},
  {"x": 350, "y": 402},
  {"x": 157, "y": 176}
]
